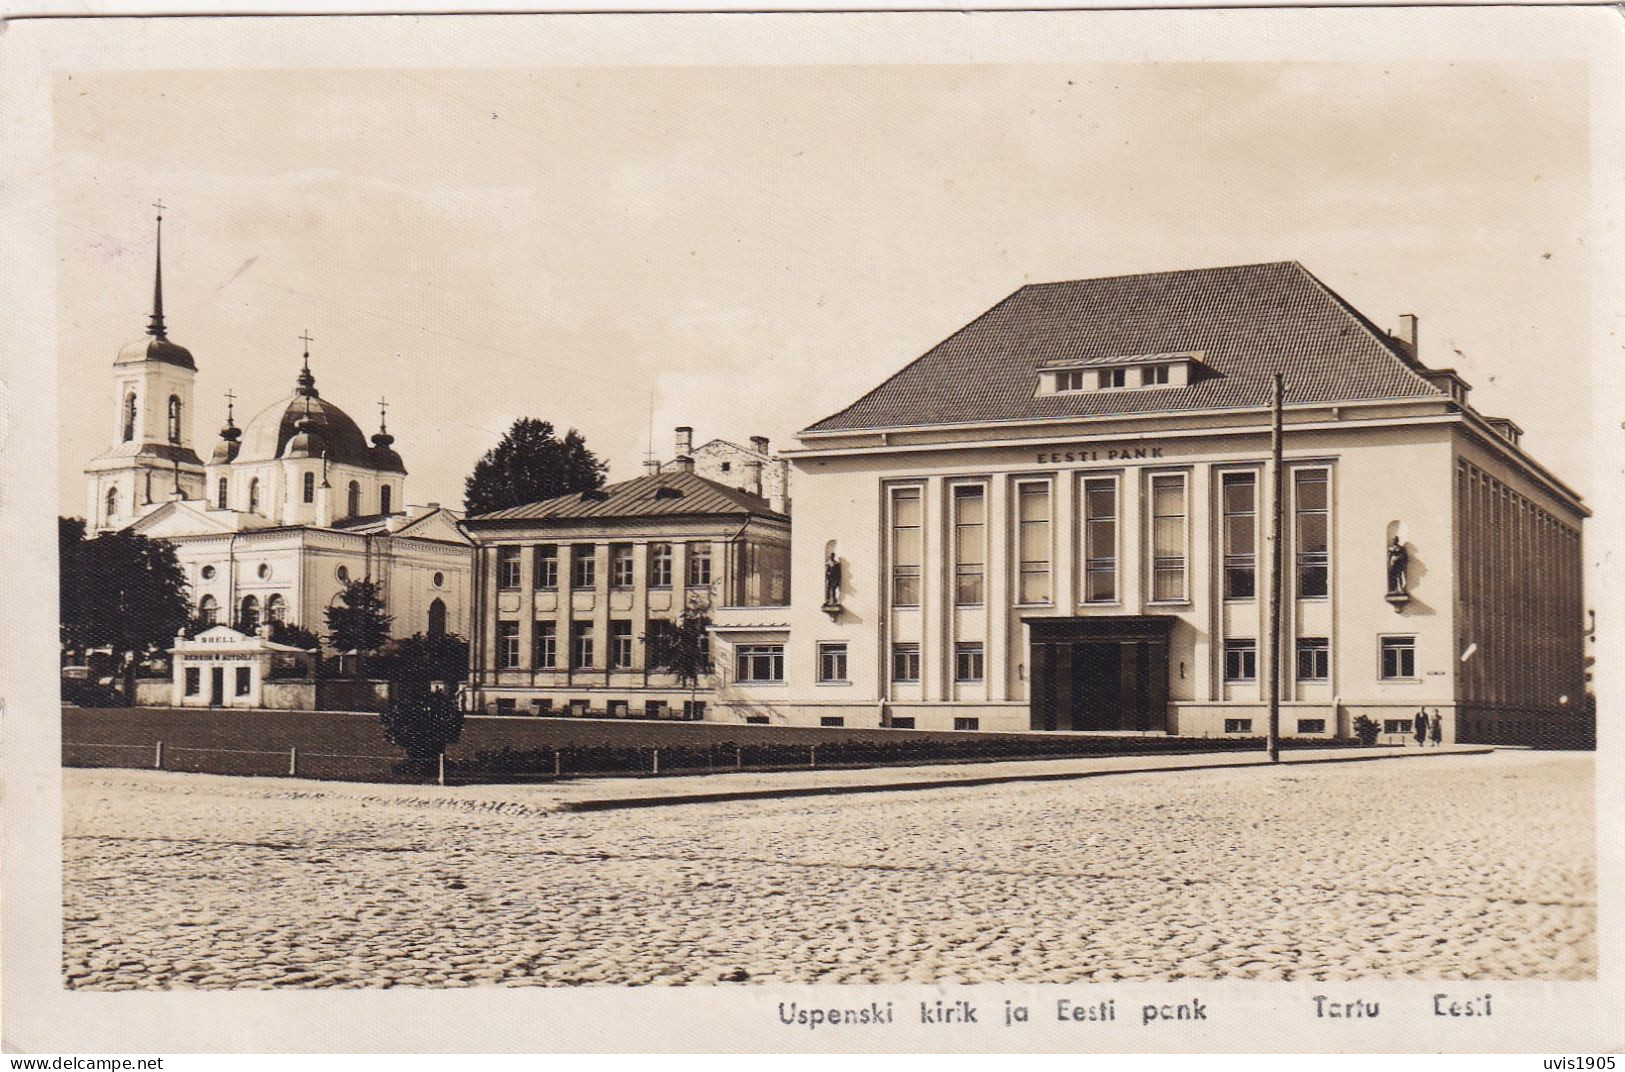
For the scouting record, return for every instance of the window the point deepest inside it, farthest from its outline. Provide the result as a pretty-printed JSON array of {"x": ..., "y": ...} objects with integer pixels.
[
  {"x": 1100, "y": 541},
  {"x": 1314, "y": 659},
  {"x": 507, "y": 567},
  {"x": 620, "y": 645},
  {"x": 1311, "y": 725},
  {"x": 760, "y": 662},
  {"x": 310, "y": 487},
  {"x": 541, "y": 706},
  {"x": 276, "y": 608},
  {"x": 245, "y": 678},
  {"x": 438, "y": 580},
  {"x": 619, "y": 709},
  {"x": 544, "y": 642},
  {"x": 583, "y": 566},
  {"x": 1240, "y": 494},
  {"x": 695, "y": 709},
  {"x": 437, "y": 618},
  {"x": 905, "y": 662},
  {"x": 220, "y": 488},
  {"x": 1112, "y": 377},
  {"x": 620, "y": 566},
  {"x": 248, "y": 618},
  {"x": 1398, "y": 657},
  {"x": 832, "y": 662},
  {"x": 1397, "y": 725},
  {"x": 1069, "y": 380},
  {"x": 194, "y": 681},
  {"x": 581, "y": 648},
  {"x": 968, "y": 662},
  {"x": 112, "y": 504},
  {"x": 831, "y": 720},
  {"x": 254, "y": 496},
  {"x": 660, "y": 565},
  {"x": 546, "y": 571},
  {"x": 353, "y": 501},
  {"x": 264, "y": 571},
  {"x": 208, "y": 573},
  {"x": 1168, "y": 538},
  {"x": 343, "y": 574},
  {"x": 1033, "y": 516},
  {"x": 699, "y": 565},
  {"x": 506, "y": 706},
  {"x": 383, "y": 499},
  {"x": 174, "y": 419},
  {"x": 507, "y": 645},
  {"x": 1154, "y": 375},
  {"x": 129, "y": 416},
  {"x": 1241, "y": 660},
  {"x": 906, "y": 520},
  {"x": 1309, "y": 496},
  {"x": 970, "y": 545},
  {"x": 579, "y": 708},
  {"x": 1238, "y": 725},
  {"x": 208, "y": 610},
  {"x": 967, "y": 723},
  {"x": 654, "y": 709}
]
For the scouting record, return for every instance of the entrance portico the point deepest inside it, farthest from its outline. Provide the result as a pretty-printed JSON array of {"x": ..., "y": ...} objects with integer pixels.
[{"x": 1100, "y": 673}]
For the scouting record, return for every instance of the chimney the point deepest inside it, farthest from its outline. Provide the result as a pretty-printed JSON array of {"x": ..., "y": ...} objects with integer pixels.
[
  {"x": 685, "y": 440},
  {"x": 683, "y": 463},
  {"x": 1408, "y": 334},
  {"x": 753, "y": 477},
  {"x": 651, "y": 466},
  {"x": 759, "y": 443},
  {"x": 780, "y": 499}
]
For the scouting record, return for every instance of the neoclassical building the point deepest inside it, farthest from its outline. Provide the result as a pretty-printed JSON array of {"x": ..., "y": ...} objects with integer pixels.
[
  {"x": 287, "y": 509},
  {"x": 1056, "y": 519}
]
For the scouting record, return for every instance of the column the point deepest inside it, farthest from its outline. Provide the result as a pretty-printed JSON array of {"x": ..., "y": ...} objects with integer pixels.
[
  {"x": 600, "y": 608},
  {"x": 935, "y": 663},
  {"x": 563, "y": 641},
  {"x": 640, "y": 604},
  {"x": 1003, "y": 653},
  {"x": 527, "y": 608}
]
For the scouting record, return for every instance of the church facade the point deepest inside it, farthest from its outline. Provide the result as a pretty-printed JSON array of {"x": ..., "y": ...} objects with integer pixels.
[
  {"x": 1057, "y": 519},
  {"x": 286, "y": 511}
]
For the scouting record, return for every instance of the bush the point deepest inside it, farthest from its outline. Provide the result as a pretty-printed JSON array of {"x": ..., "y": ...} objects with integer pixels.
[
  {"x": 423, "y": 724},
  {"x": 1366, "y": 730}
]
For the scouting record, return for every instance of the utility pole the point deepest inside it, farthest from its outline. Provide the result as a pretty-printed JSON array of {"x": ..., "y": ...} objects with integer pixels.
[{"x": 1272, "y": 650}]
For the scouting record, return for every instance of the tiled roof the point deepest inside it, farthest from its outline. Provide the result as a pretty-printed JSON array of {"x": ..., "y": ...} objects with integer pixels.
[
  {"x": 1248, "y": 322},
  {"x": 670, "y": 494}
]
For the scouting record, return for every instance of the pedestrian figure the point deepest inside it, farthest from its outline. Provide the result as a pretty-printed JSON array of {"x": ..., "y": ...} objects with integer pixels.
[
  {"x": 1438, "y": 729},
  {"x": 1421, "y": 727}
]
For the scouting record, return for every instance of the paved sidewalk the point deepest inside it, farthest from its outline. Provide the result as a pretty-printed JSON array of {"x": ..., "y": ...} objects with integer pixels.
[{"x": 603, "y": 794}]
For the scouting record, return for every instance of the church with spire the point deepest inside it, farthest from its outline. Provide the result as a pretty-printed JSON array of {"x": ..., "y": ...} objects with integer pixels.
[{"x": 286, "y": 511}]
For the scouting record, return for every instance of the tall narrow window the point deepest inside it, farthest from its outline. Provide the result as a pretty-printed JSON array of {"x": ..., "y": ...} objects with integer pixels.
[
  {"x": 174, "y": 418},
  {"x": 254, "y": 496},
  {"x": 129, "y": 416},
  {"x": 1240, "y": 494},
  {"x": 1314, "y": 550},
  {"x": 437, "y": 618},
  {"x": 112, "y": 505},
  {"x": 310, "y": 487},
  {"x": 220, "y": 489},
  {"x": 1168, "y": 538},
  {"x": 620, "y": 566},
  {"x": 507, "y": 567},
  {"x": 248, "y": 616},
  {"x": 905, "y": 546},
  {"x": 507, "y": 645},
  {"x": 1100, "y": 541},
  {"x": 547, "y": 566},
  {"x": 699, "y": 565},
  {"x": 276, "y": 608},
  {"x": 583, "y": 566},
  {"x": 620, "y": 644},
  {"x": 660, "y": 565},
  {"x": 970, "y": 544},
  {"x": 353, "y": 504},
  {"x": 581, "y": 654},
  {"x": 383, "y": 499},
  {"x": 208, "y": 610},
  {"x": 545, "y": 645},
  {"x": 968, "y": 662},
  {"x": 1033, "y": 516}
]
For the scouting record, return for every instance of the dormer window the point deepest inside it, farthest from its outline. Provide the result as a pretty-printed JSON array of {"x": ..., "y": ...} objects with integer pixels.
[
  {"x": 1154, "y": 375},
  {"x": 1113, "y": 377},
  {"x": 1116, "y": 372},
  {"x": 1069, "y": 380}
]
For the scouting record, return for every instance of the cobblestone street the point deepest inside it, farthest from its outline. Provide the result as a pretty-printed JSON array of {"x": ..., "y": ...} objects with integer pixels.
[{"x": 1448, "y": 867}]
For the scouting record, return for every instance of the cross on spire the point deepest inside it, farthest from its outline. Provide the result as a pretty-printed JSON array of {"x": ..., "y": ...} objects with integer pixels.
[
  {"x": 383, "y": 414},
  {"x": 307, "y": 382},
  {"x": 159, "y": 205},
  {"x": 308, "y": 340},
  {"x": 155, "y": 326},
  {"x": 231, "y": 402}
]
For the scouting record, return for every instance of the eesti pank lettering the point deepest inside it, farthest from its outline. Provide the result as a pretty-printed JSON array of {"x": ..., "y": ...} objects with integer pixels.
[{"x": 1106, "y": 454}]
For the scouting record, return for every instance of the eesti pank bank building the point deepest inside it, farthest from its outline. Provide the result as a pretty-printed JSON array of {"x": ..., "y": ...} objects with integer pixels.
[{"x": 1057, "y": 519}]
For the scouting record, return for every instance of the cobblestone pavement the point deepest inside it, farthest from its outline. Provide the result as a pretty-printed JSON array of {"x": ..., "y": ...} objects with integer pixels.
[{"x": 1450, "y": 867}]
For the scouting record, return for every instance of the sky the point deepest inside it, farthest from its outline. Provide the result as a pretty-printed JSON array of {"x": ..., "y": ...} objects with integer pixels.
[{"x": 748, "y": 249}]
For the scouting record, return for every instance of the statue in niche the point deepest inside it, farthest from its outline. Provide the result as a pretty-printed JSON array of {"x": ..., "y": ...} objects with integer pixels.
[
  {"x": 832, "y": 580},
  {"x": 1399, "y": 561}
]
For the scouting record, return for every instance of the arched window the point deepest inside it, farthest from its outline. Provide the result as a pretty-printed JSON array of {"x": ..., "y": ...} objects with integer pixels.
[
  {"x": 355, "y": 498},
  {"x": 310, "y": 487},
  {"x": 208, "y": 610},
  {"x": 220, "y": 497},
  {"x": 249, "y": 620},
  {"x": 437, "y": 618},
  {"x": 129, "y": 416},
  {"x": 275, "y": 610},
  {"x": 383, "y": 499},
  {"x": 174, "y": 418},
  {"x": 254, "y": 496},
  {"x": 112, "y": 505}
]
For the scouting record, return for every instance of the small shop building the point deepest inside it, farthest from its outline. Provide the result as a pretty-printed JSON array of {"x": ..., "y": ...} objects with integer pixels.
[{"x": 221, "y": 667}]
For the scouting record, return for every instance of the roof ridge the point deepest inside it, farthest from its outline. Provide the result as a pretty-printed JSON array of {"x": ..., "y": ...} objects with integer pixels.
[{"x": 1166, "y": 271}]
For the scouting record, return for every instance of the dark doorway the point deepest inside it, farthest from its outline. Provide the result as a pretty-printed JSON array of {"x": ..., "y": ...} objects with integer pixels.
[
  {"x": 217, "y": 686},
  {"x": 1100, "y": 673}
]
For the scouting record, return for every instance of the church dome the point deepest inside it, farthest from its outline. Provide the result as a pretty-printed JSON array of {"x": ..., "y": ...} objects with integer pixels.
[
  {"x": 156, "y": 349},
  {"x": 266, "y": 437}
]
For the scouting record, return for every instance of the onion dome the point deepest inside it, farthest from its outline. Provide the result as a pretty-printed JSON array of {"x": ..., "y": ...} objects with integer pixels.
[
  {"x": 305, "y": 442},
  {"x": 383, "y": 456},
  {"x": 226, "y": 450},
  {"x": 157, "y": 346}
]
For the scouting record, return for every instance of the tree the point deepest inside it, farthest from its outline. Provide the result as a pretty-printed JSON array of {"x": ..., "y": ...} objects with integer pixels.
[
  {"x": 294, "y": 635},
  {"x": 531, "y": 464},
  {"x": 422, "y": 724},
  {"x": 359, "y": 622},
  {"x": 119, "y": 591},
  {"x": 683, "y": 647},
  {"x": 417, "y": 661}
]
